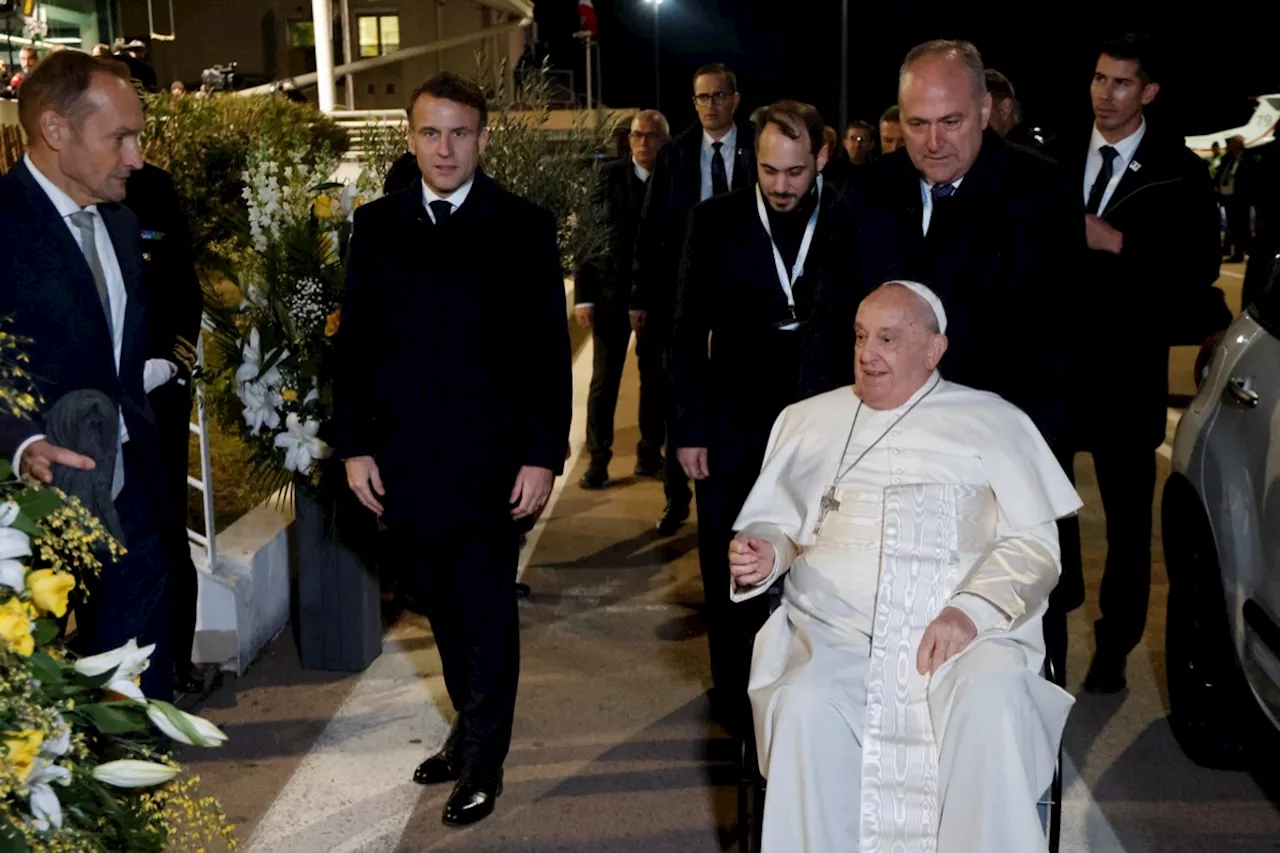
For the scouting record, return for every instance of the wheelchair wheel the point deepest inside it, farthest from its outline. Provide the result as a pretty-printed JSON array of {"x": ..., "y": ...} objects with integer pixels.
[{"x": 750, "y": 800}]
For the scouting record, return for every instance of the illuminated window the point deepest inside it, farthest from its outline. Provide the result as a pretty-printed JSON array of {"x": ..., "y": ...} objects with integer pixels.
[
  {"x": 302, "y": 34},
  {"x": 379, "y": 34}
]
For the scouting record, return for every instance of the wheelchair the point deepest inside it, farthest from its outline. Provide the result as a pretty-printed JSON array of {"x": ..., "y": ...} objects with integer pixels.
[{"x": 751, "y": 789}]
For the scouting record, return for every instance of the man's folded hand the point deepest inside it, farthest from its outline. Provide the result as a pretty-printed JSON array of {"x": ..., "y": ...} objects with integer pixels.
[{"x": 750, "y": 561}]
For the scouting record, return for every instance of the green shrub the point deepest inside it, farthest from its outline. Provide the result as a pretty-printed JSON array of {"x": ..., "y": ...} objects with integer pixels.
[{"x": 204, "y": 143}]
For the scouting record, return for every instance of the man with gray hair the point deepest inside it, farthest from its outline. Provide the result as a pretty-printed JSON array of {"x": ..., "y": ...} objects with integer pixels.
[
  {"x": 896, "y": 690},
  {"x": 602, "y": 295}
]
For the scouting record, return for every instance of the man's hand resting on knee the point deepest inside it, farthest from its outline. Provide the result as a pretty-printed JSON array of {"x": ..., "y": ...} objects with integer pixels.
[
  {"x": 750, "y": 561},
  {"x": 947, "y": 636}
]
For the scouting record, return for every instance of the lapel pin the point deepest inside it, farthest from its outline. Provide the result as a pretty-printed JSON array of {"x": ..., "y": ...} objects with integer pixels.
[{"x": 1135, "y": 166}]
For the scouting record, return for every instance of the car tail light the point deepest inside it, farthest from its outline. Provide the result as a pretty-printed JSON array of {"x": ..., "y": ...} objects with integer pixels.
[{"x": 1204, "y": 357}]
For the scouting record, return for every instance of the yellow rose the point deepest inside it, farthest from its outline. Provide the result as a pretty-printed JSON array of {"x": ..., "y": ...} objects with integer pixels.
[
  {"x": 49, "y": 590},
  {"x": 331, "y": 323},
  {"x": 21, "y": 751},
  {"x": 359, "y": 200},
  {"x": 290, "y": 395},
  {"x": 324, "y": 207},
  {"x": 15, "y": 626}
]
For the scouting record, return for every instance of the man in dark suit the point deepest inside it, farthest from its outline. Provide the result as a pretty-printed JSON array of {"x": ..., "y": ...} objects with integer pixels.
[
  {"x": 71, "y": 278},
  {"x": 453, "y": 395},
  {"x": 174, "y": 306},
  {"x": 751, "y": 265},
  {"x": 994, "y": 229},
  {"x": 602, "y": 294},
  {"x": 712, "y": 157},
  {"x": 1153, "y": 253}
]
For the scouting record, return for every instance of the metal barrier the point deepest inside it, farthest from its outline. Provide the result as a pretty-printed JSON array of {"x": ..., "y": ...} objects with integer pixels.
[{"x": 209, "y": 539}]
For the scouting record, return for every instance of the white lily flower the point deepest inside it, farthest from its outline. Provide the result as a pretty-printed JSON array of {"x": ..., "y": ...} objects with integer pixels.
[
  {"x": 14, "y": 544},
  {"x": 13, "y": 575},
  {"x": 250, "y": 369},
  {"x": 130, "y": 662},
  {"x": 56, "y": 746},
  {"x": 301, "y": 445},
  {"x": 46, "y": 809},
  {"x": 170, "y": 720},
  {"x": 347, "y": 201},
  {"x": 130, "y": 773},
  {"x": 261, "y": 403},
  {"x": 9, "y": 512}
]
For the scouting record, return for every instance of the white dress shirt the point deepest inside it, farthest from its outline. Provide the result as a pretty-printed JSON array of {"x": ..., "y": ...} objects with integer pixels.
[
  {"x": 728, "y": 151},
  {"x": 1126, "y": 148},
  {"x": 66, "y": 206},
  {"x": 927, "y": 196},
  {"x": 456, "y": 198}
]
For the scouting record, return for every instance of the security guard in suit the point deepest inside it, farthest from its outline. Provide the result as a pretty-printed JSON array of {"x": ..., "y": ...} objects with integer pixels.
[{"x": 174, "y": 307}]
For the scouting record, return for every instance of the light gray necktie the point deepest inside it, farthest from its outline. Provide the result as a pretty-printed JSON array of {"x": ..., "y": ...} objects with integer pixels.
[{"x": 83, "y": 221}]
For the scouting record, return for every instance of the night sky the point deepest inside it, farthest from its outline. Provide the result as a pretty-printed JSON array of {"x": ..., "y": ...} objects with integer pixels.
[{"x": 792, "y": 49}]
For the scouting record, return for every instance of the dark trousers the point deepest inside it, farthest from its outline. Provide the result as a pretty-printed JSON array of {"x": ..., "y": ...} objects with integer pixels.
[
  {"x": 130, "y": 597},
  {"x": 611, "y": 333},
  {"x": 651, "y": 350},
  {"x": 1127, "y": 482},
  {"x": 466, "y": 584},
  {"x": 172, "y": 406},
  {"x": 1238, "y": 229},
  {"x": 731, "y": 628}
]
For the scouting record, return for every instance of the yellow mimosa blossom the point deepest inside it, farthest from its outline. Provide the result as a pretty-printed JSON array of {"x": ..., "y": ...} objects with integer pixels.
[
  {"x": 290, "y": 395},
  {"x": 22, "y": 748},
  {"x": 15, "y": 626},
  {"x": 49, "y": 590},
  {"x": 331, "y": 323}
]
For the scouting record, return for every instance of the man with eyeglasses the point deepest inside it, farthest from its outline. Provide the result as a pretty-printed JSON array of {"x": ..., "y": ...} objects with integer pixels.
[
  {"x": 602, "y": 293},
  {"x": 711, "y": 157}
]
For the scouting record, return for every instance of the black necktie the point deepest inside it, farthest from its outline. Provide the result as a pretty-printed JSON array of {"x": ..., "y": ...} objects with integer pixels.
[
  {"x": 1099, "y": 189},
  {"x": 941, "y": 191},
  {"x": 719, "y": 177},
  {"x": 441, "y": 209}
]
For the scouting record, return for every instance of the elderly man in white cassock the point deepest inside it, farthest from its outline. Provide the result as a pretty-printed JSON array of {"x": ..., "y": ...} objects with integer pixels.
[{"x": 896, "y": 692}]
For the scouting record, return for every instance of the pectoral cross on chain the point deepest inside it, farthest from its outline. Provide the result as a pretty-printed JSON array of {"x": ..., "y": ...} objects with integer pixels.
[{"x": 829, "y": 503}]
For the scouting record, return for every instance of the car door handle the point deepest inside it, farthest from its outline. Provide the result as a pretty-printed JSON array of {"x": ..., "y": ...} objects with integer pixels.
[{"x": 1242, "y": 395}]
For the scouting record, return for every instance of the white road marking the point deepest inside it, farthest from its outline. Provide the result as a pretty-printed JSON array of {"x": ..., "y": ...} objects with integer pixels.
[
  {"x": 1085, "y": 829},
  {"x": 1232, "y": 274}
]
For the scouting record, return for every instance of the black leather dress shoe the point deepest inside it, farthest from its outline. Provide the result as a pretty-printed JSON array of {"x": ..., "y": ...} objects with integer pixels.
[
  {"x": 1106, "y": 675},
  {"x": 649, "y": 466},
  {"x": 672, "y": 517},
  {"x": 596, "y": 477},
  {"x": 440, "y": 767},
  {"x": 445, "y": 765},
  {"x": 473, "y": 799}
]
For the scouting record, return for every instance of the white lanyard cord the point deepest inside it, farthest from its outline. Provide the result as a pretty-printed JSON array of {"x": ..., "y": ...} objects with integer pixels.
[{"x": 797, "y": 269}]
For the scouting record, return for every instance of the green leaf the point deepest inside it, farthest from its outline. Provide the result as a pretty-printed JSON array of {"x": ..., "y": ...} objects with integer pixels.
[
  {"x": 37, "y": 503},
  {"x": 115, "y": 718},
  {"x": 27, "y": 526},
  {"x": 45, "y": 667},
  {"x": 11, "y": 841},
  {"x": 46, "y": 630},
  {"x": 6, "y": 470},
  {"x": 325, "y": 187}
]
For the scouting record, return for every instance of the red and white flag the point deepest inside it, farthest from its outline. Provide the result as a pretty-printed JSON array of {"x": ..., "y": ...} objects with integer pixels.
[{"x": 587, "y": 12}]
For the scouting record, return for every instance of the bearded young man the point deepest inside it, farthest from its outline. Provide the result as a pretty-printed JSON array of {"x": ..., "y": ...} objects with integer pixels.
[
  {"x": 896, "y": 690},
  {"x": 753, "y": 261}
]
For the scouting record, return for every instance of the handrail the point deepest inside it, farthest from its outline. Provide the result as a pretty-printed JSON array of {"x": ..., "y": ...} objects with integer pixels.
[{"x": 393, "y": 58}]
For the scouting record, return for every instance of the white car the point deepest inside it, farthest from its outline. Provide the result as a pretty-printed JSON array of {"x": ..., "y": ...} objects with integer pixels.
[{"x": 1221, "y": 523}]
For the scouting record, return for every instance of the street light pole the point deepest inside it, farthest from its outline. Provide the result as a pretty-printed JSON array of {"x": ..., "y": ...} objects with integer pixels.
[
  {"x": 657, "y": 56},
  {"x": 844, "y": 67}
]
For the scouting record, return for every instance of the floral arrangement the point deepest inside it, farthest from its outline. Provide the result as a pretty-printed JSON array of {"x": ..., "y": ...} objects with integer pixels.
[
  {"x": 275, "y": 347},
  {"x": 80, "y": 769}
]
